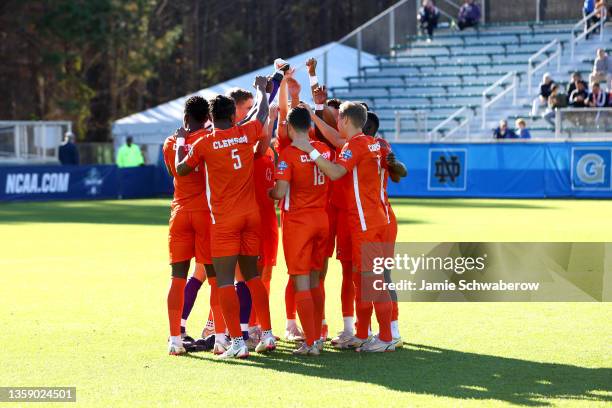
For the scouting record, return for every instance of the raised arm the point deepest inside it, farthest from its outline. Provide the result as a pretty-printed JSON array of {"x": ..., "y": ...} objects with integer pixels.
[
  {"x": 261, "y": 113},
  {"x": 267, "y": 131},
  {"x": 328, "y": 132}
]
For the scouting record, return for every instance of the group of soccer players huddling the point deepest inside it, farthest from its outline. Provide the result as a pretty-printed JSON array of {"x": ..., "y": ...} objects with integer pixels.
[{"x": 235, "y": 159}]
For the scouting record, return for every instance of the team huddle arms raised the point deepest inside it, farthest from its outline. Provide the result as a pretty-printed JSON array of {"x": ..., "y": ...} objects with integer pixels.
[{"x": 326, "y": 170}]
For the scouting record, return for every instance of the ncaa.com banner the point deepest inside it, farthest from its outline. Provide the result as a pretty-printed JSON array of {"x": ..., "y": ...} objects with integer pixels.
[{"x": 488, "y": 271}]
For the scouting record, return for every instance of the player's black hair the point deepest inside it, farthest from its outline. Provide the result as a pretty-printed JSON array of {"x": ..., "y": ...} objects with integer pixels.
[
  {"x": 299, "y": 119},
  {"x": 222, "y": 108},
  {"x": 372, "y": 124},
  {"x": 334, "y": 103},
  {"x": 197, "y": 108}
]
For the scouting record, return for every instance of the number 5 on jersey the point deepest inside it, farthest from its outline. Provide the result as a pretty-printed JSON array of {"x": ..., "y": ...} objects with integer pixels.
[{"x": 236, "y": 157}]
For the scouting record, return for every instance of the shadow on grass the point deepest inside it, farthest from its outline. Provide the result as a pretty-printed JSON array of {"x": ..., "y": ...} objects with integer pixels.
[
  {"x": 466, "y": 203},
  {"x": 140, "y": 212},
  {"x": 447, "y": 373}
]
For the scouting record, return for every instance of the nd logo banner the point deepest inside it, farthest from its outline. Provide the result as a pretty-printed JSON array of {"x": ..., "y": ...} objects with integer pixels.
[
  {"x": 591, "y": 168},
  {"x": 447, "y": 169}
]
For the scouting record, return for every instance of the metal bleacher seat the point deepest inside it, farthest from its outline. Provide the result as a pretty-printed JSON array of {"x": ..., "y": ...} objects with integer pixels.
[{"x": 454, "y": 70}]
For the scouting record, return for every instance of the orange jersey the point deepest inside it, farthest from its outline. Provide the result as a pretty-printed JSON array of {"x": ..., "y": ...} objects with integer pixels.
[
  {"x": 264, "y": 179},
  {"x": 308, "y": 185},
  {"x": 189, "y": 190},
  {"x": 361, "y": 157},
  {"x": 227, "y": 156}
]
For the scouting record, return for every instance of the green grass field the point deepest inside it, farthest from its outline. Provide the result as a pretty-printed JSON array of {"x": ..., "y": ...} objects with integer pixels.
[{"x": 82, "y": 301}]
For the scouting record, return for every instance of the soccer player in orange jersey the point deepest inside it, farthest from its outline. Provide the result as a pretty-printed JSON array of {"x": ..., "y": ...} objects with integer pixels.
[
  {"x": 227, "y": 157},
  {"x": 303, "y": 186},
  {"x": 395, "y": 170},
  {"x": 367, "y": 218},
  {"x": 189, "y": 233}
]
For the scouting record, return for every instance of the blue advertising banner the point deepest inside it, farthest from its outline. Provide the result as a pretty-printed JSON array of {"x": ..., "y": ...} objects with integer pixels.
[
  {"x": 509, "y": 170},
  {"x": 75, "y": 182}
]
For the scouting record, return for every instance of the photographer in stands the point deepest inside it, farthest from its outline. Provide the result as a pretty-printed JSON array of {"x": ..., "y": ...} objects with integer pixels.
[
  {"x": 469, "y": 15},
  {"x": 428, "y": 17}
]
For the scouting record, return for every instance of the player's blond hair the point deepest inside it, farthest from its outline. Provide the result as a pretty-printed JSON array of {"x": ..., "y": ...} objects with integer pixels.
[{"x": 355, "y": 112}]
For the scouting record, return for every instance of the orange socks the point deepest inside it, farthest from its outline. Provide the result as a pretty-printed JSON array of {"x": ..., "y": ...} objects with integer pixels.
[
  {"x": 176, "y": 297},
  {"x": 383, "y": 315},
  {"x": 347, "y": 294},
  {"x": 318, "y": 301},
  {"x": 231, "y": 310},
  {"x": 394, "y": 311},
  {"x": 261, "y": 303},
  {"x": 322, "y": 289},
  {"x": 215, "y": 313},
  {"x": 305, "y": 309},
  {"x": 290, "y": 300}
]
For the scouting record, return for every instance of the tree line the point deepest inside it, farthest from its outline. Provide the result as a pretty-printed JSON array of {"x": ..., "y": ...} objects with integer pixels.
[{"x": 93, "y": 61}]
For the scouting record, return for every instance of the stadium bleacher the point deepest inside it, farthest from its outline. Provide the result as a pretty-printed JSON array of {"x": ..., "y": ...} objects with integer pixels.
[{"x": 437, "y": 79}]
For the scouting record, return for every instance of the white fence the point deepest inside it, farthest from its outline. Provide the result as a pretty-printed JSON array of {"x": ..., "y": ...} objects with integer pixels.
[{"x": 31, "y": 141}]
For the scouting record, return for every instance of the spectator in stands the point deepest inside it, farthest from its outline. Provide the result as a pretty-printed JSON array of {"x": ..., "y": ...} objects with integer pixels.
[
  {"x": 521, "y": 129},
  {"x": 602, "y": 12},
  {"x": 602, "y": 67},
  {"x": 68, "y": 153},
  {"x": 469, "y": 15},
  {"x": 503, "y": 132},
  {"x": 578, "y": 98},
  {"x": 428, "y": 17},
  {"x": 587, "y": 8},
  {"x": 555, "y": 101},
  {"x": 129, "y": 155},
  {"x": 542, "y": 99},
  {"x": 576, "y": 77},
  {"x": 597, "y": 98}
]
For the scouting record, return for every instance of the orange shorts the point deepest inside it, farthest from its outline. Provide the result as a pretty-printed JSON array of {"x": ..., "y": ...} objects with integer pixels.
[
  {"x": 367, "y": 245},
  {"x": 236, "y": 235},
  {"x": 343, "y": 237},
  {"x": 305, "y": 235},
  {"x": 268, "y": 239},
  {"x": 189, "y": 236},
  {"x": 332, "y": 217}
]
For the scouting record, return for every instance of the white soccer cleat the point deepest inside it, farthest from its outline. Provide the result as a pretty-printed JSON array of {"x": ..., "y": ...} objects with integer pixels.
[
  {"x": 176, "y": 348},
  {"x": 237, "y": 349},
  {"x": 342, "y": 337},
  {"x": 351, "y": 342},
  {"x": 294, "y": 333},
  {"x": 221, "y": 346},
  {"x": 306, "y": 350},
  {"x": 376, "y": 345},
  {"x": 399, "y": 343},
  {"x": 268, "y": 343}
]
